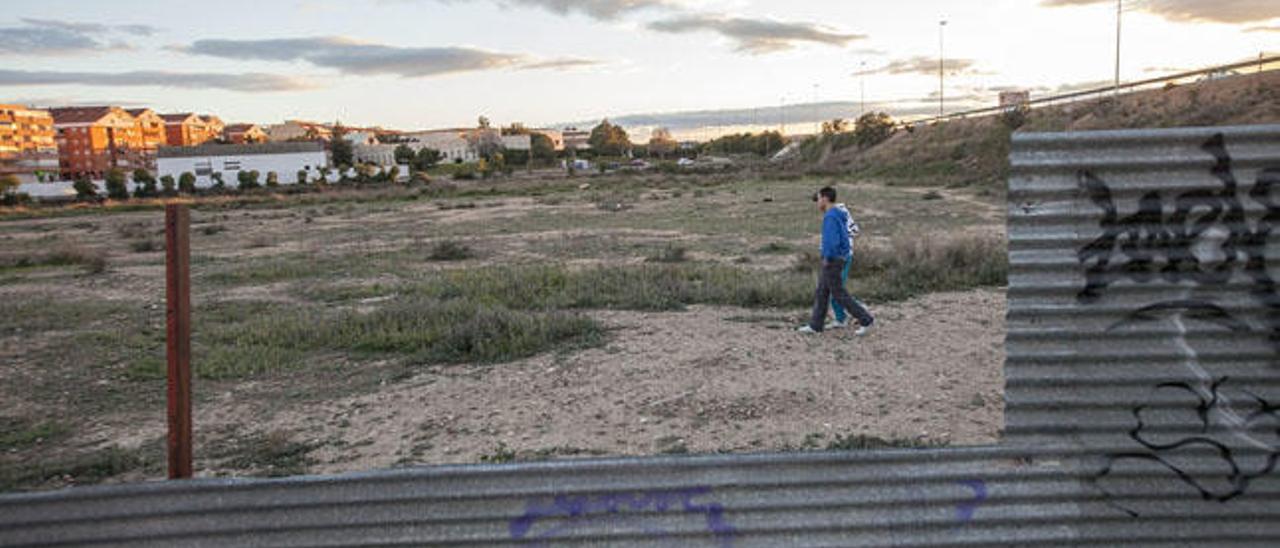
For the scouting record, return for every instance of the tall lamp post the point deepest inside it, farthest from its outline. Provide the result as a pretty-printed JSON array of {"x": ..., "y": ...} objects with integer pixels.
[
  {"x": 942, "y": 101},
  {"x": 782, "y": 115},
  {"x": 862, "y": 89},
  {"x": 817, "y": 124},
  {"x": 1119, "y": 13}
]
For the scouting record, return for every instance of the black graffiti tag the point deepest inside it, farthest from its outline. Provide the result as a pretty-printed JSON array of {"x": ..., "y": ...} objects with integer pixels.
[
  {"x": 1204, "y": 240},
  {"x": 1150, "y": 246}
]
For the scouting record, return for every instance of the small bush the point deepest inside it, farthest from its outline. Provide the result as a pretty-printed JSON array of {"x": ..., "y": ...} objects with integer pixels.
[
  {"x": 85, "y": 189},
  {"x": 210, "y": 230},
  {"x": 94, "y": 262},
  {"x": 450, "y": 250},
  {"x": 1015, "y": 117},
  {"x": 260, "y": 241},
  {"x": 931, "y": 195},
  {"x": 854, "y": 442},
  {"x": 669, "y": 254},
  {"x": 502, "y": 454},
  {"x": 775, "y": 248},
  {"x": 134, "y": 230},
  {"x": 117, "y": 188},
  {"x": 146, "y": 246}
]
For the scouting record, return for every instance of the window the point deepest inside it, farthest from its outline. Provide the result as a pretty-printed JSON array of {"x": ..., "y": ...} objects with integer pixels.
[{"x": 231, "y": 165}]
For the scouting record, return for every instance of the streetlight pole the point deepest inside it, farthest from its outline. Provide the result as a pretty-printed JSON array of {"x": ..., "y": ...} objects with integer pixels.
[
  {"x": 1119, "y": 12},
  {"x": 782, "y": 115},
  {"x": 817, "y": 124},
  {"x": 942, "y": 94},
  {"x": 862, "y": 89}
]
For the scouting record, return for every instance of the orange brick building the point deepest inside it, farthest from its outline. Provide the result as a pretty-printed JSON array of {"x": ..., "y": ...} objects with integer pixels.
[
  {"x": 27, "y": 145},
  {"x": 187, "y": 129},
  {"x": 93, "y": 140},
  {"x": 239, "y": 134},
  {"x": 151, "y": 126}
]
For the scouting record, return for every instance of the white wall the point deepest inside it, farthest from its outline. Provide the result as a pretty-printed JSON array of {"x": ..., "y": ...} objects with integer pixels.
[
  {"x": 286, "y": 166},
  {"x": 451, "y": 145},
  {"x": 381, "y": 155}
]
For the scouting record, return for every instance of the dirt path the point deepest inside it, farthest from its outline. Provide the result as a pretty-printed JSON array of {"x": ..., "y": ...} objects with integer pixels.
[{"x": 710, "y": 379}]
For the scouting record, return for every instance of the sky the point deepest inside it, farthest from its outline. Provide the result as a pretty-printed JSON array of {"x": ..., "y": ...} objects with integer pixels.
[{"x": 415, "y": 64}]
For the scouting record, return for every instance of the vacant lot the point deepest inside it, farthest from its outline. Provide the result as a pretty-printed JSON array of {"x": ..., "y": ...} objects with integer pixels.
[{"x": 539, "y": 319}]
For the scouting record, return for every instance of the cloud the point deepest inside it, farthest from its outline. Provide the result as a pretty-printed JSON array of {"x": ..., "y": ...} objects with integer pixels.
[
  {"x": 756, "y": 36},
  {"x": 44, "y": 41},
  {"x": 353, "y": 57},
  {"x": 54, "y": 37},
  {"x": 925, "y": 65},
  {"x": 1217, "y": 11},
  {"x": 597, "y": 9},
  {"x": 560, "y": 64},
  {"x": 90, "y": 28},
  {"x": 246, "y": 82}
]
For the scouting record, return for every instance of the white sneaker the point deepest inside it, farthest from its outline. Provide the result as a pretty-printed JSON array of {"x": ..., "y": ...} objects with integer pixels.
[
  {"x": 806, "y": 330},
  {"x": 839, "y": 324},
  {"x": 862, "y": 330}
]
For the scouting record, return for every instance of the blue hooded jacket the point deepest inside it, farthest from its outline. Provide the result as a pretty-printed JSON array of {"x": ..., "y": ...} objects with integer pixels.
[{"x": 835, "y": 235}]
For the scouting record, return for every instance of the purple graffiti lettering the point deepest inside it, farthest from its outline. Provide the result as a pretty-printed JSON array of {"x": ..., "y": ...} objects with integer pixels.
[
  {"x": 621, "y": 507},
  {"x": 965, "y": 510}
]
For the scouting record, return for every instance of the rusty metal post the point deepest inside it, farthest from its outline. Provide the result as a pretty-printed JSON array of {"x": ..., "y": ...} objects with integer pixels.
[{"x": 177, "y": 221}]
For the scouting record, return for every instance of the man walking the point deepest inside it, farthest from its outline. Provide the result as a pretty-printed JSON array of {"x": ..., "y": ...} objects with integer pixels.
[
  {"x": 842, "y": 318},
  {"x": 835, "y": 253}
]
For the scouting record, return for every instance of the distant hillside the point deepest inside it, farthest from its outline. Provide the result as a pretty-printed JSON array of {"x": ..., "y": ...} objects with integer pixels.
[{"x": 975, "y": 151}]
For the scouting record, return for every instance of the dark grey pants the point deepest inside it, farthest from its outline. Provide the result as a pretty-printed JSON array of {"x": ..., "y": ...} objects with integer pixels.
[{"x": 831, "y": 288}]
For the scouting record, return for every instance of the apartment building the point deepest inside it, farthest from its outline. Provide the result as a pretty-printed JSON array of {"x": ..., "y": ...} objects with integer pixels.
[
  {"x": 187, "y": 129},
  {"x": 151, "y": 126},
  {"x": 297, "y": 130},
  {"x": 94, "y": 140},
  {"x": 28, "y": 148},
  {"x": 576, "y": 139},
  {"x": 240, "y": 134}
]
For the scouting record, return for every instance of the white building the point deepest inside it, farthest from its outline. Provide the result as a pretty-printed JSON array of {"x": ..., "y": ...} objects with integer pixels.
[
  {"x": 361, "y": 138},
  {"x": 576, "y": 139},
  {"x": 517, "y": 142},
  {"x": 378, "y": 155},
  {"x": 285, "y": 159},
  {"x": 452, "y": 144},
  {"x": 556, "y": 136},
  {"x": 297, "y": 129}
]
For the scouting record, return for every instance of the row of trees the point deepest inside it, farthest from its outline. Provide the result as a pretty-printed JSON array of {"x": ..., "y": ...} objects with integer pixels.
[
  {"x": 147, "y": 185},
  {"x": 763, "y": 144}
]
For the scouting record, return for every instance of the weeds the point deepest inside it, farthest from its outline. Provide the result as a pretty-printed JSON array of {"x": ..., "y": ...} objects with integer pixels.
[
  {"x": 273, "y": 454},
  {"x": 775, "y": 248},
  {"x": 17, "y": 434},
  {"x": 93, "y": 261},
  {"x": 450, "y": 250},
  {"x": 146, "y": 246},
  {"x": 501, "y": 454},
  {"x": 259, "y": 241},
  {"x": 856, "y": 442},
  {"x": 86, "y": 468},
  {"x": 669, "y": 254}
]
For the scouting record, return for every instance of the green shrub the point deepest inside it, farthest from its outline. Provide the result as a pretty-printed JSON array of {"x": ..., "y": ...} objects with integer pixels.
[
  {"x": 187, "y": 183},
  {"x": 669, "y": 254},
  {"x": 450, "y": 250},
  {"x": 85, "y": 189},
  {"x": 117, "y": 189}
]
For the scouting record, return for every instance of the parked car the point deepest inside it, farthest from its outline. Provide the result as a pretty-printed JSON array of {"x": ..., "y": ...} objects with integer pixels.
[{"x": 1218, "y": 75}]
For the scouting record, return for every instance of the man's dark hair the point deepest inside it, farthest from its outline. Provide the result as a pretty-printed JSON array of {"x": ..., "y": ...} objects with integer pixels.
[{"x": 827, "y": 192}]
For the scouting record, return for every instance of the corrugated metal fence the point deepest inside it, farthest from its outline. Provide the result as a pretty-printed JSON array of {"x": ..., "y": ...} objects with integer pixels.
[{"x": 1142, "y": 407}]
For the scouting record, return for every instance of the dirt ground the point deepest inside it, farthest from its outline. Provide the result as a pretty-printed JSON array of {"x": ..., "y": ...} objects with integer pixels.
[{"x": 704, "y": 380}]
